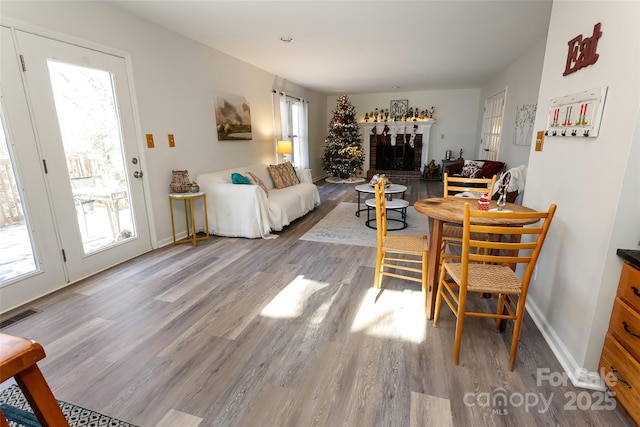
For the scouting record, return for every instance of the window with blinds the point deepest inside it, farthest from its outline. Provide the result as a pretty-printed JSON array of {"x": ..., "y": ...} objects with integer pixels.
[{"x": 492, "y": 126}]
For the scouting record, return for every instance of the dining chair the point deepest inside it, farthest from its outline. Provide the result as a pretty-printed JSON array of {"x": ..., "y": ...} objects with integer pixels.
[
  {"x": 455, "y": 186},
  {"x": 490, "y": 269},
  {"x": 399, "y": 256}
]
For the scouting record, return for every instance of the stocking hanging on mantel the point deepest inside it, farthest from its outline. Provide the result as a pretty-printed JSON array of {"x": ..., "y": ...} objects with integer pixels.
[
  {"x": 412, "y": 139},
  {"x": 394, "y": 135}
]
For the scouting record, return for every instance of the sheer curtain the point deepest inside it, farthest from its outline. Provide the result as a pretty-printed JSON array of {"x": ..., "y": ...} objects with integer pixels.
[{"x": 291, "y": 123}]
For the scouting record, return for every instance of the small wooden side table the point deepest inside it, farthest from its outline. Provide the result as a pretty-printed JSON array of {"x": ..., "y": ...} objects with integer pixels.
[{"x": 189, "y": 213}]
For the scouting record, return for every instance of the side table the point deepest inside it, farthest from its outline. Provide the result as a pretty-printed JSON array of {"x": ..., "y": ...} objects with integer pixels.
[
  {"x": 189, "y": 213},
  {"x": 446, "y": 163}
]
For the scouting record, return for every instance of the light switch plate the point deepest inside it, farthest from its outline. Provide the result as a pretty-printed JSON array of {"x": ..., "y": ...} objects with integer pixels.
[
  {"x": 172, "y": 141},
  {"x": 150, "y": 143}
]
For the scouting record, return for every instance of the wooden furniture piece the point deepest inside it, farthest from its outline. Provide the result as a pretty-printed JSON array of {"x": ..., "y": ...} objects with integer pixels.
[
  {"x": 18, "y": 359},
  {"x": 451, "y": 209},
  {"x": 620, "y": 359},
  {"x": 369, "y": 189},
  {"x": 471, "y": 188},
  {"x": 487, "y": 266},
  {"x": 189, "y": 213},
  {"x": 402, "y": 254}
]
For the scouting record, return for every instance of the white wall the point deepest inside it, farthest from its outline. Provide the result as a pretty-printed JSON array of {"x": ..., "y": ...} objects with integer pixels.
[
  {"x": 456, "y": 113},
  {"x": 594, "y": 182},
  {"x": 522, "y": 80},
  {"x": 175, "y": 82}
]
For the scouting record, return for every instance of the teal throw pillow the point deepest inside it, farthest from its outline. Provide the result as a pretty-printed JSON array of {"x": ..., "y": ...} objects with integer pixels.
[{"x": 238, "y": 178}]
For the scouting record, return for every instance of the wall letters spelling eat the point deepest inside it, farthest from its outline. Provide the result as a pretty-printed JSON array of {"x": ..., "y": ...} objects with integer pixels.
[{"x": 582, "y": 52}]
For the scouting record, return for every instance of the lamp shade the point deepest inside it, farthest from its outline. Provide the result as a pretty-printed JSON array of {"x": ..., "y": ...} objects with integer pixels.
[{"x": 285, "y": 147}]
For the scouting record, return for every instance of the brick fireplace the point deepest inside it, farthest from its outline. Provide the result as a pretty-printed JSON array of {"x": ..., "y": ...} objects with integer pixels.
[{"x": 400, "y": 159}]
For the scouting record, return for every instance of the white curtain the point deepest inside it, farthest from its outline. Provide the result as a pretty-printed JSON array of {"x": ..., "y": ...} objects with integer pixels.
[
  {"x": 279, "y": 106},
  {"x": 300, "y": 111}
]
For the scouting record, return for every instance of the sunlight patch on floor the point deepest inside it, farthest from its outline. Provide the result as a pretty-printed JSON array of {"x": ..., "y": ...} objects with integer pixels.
[
  {"x": 396, "y": 314},
  {"x": 292, "y": 300}
]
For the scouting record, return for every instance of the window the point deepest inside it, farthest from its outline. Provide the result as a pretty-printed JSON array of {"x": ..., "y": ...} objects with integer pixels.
[
  {"x": 291, "y": 114},
  {"x": 492, "y": 126}
]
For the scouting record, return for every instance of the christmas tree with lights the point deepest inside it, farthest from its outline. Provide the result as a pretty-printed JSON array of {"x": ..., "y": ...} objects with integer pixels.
[{"x": 343, "y": 152}]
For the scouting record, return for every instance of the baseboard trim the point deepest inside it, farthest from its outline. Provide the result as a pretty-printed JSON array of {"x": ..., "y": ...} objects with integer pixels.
[{"x": 579, "y": 376}]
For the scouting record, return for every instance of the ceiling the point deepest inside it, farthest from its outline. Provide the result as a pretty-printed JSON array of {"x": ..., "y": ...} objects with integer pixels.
[{"x": 361, "y": 46}]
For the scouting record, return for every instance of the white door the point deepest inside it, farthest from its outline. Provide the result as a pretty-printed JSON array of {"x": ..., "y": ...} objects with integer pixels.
[
  {"x": 82, "y": 117},
  {"x": 30, "y": 257}
]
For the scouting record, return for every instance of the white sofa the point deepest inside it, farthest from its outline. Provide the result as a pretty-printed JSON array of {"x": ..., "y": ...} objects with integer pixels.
[{"x": 240, "y": 210}]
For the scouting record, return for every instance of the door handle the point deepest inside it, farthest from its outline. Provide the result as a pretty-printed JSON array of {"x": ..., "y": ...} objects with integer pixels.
[{"x": 137, "y": 174}]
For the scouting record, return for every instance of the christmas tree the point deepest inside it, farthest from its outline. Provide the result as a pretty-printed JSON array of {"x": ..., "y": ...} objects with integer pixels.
[{"x": 343, "y": 152}]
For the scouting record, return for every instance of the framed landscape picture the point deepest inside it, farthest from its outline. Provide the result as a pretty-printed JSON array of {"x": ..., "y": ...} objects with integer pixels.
[{"x": 233, "y": 118}]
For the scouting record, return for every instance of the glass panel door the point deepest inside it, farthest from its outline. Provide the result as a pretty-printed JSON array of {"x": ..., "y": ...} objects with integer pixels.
[
  {"x": 30, "y": 257},
  {"x": 17, "y": 256},
  {"x": 89, "y": 126},
  {"x": 83, "y": 111}
]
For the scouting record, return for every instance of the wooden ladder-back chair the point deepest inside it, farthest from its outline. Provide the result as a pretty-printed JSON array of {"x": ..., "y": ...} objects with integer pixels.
[
  {"x": 488, "y": 266},
  {"x": 473, "y": 188},
  {"x": 18, "y": 359},
  {"x": 405, "y": 256}
]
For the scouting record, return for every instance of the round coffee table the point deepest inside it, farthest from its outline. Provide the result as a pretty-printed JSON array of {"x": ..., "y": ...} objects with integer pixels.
[{"x": 370, "y": 189}]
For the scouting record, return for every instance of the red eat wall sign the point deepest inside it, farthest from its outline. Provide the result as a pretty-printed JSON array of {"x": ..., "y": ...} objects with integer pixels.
[{"x": 582, "y": 52}]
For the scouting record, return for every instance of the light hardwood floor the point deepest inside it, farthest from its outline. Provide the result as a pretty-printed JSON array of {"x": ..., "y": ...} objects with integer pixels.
[{"x": 286, "y": 332}]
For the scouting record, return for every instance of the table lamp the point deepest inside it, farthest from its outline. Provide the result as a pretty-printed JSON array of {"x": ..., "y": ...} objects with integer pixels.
[{"x": 285, "y": 148}]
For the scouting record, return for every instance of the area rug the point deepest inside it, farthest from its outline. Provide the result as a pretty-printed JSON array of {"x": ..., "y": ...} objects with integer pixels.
[
  {"x": 341, "y": 225},
  {"x": 17, "y": 411}
]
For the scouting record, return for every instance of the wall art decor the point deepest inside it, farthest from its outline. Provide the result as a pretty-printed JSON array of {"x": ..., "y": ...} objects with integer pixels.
[
  {"x": 399, "y": 107},
  {"x": 525, "y": 118},
  {"x": 582, "y": 51},
  {"x": 233, "y": 118},
  {"x": 579, "y": 114}
]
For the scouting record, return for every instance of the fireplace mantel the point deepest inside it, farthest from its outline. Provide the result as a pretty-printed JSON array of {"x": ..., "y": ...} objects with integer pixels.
[{"x": 424, "y": 127}]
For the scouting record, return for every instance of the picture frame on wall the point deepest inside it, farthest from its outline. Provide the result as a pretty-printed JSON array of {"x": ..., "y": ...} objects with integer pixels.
[
  {"x": 398, "y": 107},
  {"x": 233, "y": 118}
]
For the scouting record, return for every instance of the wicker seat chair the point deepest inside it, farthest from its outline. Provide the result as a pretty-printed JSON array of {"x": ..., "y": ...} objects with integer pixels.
[
  {"x": 399, "y": 256},
  {"x": 469, "y": 187},
  {"x": 488, "y": 266}
]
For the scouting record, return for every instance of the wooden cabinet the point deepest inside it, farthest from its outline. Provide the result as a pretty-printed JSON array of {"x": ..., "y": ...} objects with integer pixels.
[{"x": 620, "y": 359}]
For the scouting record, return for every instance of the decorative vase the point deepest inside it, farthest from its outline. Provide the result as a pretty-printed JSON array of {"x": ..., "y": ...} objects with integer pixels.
[
  {"x": 344, "y": 175},
  {"x": 180, "y": 182},
  {"x": 195, "y": 188}
]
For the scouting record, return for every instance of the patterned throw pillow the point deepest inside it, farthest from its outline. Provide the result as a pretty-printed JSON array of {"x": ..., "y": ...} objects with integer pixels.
[
  {"x": 471, "y": 168},
  {"x": 258, "y": 181},
  {"x": 283, "y": 175}
]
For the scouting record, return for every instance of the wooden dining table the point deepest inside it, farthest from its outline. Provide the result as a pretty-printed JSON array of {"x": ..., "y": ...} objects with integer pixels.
[{"x": 451, "y": 209}]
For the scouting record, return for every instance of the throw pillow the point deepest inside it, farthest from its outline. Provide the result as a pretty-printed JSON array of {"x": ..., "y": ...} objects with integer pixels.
[
  {"x": 491, "y": 168},
  {"x": 283, "y": 175},
  {"x": 238, "y": 178},
  {"x": 471, "y": 168},
  {"x": 258, "y": 181}
]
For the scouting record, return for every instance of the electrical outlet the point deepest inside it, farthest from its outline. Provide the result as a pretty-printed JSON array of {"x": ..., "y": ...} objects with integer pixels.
[
  {"x": 172, "y": 142},
  {"x": 150, "y": 143}
]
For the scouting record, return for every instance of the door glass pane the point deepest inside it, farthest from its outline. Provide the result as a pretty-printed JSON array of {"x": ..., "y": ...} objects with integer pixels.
[
  {"x": 90, "y": 129},
  {"x": 16, "y": 246}
]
